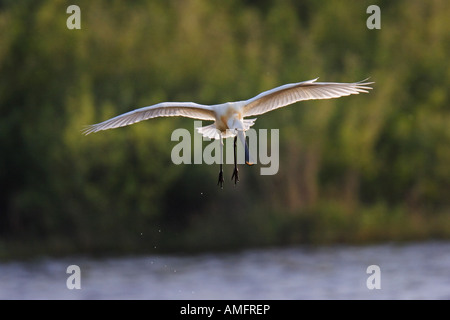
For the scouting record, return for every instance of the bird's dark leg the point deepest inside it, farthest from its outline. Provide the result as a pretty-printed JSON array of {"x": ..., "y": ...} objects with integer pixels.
[
  {"x": 220, "y": 182},
  {"x": 236, "y": 171}
]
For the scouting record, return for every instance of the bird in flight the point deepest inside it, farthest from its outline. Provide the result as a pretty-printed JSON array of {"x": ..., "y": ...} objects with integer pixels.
[{"x": 229, "y": 117}]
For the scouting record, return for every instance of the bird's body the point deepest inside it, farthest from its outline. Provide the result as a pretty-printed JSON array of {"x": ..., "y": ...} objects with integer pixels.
[
  {"x": 229, "y": 117},
  {"x": 225, "y": 112}
]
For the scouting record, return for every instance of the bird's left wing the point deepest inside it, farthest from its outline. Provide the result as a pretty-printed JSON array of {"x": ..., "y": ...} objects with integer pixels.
[
  {"x": 306, "y": 90},
  {"x": 163, "y": 109}
]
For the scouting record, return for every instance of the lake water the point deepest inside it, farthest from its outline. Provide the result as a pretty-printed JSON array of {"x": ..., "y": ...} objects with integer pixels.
[{"x": 406, "y": 271}]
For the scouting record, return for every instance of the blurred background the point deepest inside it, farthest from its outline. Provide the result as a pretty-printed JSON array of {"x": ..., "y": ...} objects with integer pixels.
[{"x": 354, "y": 171}]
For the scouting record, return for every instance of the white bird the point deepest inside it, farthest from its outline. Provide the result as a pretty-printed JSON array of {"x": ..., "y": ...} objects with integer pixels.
[{"x": 229, "y": 117}]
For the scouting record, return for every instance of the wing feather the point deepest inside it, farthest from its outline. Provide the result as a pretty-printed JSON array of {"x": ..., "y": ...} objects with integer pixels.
[
  {"x": 306, "y": 90},
  {"x": 164, "y": 109}
]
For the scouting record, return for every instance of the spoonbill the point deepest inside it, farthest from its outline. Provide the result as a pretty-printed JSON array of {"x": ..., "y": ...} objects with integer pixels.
[{"x": 228, "y": 117}]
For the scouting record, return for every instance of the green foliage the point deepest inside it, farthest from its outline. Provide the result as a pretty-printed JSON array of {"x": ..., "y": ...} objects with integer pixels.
[{"x": 363, "y": 168}]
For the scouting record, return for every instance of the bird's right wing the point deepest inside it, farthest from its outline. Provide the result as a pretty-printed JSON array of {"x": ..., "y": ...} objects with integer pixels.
[
  {"x": 306, "y": 90},
  {"x": 163, "y": 109}
]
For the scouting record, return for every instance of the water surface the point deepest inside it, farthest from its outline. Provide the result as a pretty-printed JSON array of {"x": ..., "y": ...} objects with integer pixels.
[{"x": 407, "y": 271}]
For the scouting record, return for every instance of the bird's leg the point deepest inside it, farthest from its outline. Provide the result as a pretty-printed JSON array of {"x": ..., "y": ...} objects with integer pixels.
[
  {"x": 236, "y": 171},
  {"x": 220, "y": 182},
  {"x": 241, "y": 135}
]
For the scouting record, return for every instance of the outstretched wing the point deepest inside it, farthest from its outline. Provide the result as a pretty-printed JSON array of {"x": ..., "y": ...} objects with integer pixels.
[
  {"x": 306, "y": 90},
  {"x": 164, "y": 109}
]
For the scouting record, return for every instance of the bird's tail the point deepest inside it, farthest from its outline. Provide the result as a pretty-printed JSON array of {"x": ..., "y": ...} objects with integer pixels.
[{"x": 212, "y": 132}]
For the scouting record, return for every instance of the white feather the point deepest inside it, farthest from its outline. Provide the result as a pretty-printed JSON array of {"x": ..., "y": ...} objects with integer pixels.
[
  {"x": 164, "y": 109},
  {"x": 233, "y": 112},
  {"x": 212, "y": 132},
  {"x": 306, "y": 90}
]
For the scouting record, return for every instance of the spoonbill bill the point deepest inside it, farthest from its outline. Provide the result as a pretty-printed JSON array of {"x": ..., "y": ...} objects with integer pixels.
[{"x": 229, "y": 117}]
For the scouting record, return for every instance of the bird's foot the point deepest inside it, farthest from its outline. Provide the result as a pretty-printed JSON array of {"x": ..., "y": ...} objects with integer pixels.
[
  {"x": 220, "y": 182},
  {"x": 235, "y": 175}
]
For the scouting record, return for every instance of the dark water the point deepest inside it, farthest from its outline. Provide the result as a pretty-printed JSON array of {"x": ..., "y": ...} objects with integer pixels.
[{"x": 407, "y": 271}]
